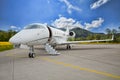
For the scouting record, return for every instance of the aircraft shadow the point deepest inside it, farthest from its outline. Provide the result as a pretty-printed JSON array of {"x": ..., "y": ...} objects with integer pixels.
[
  {"x": 64, "y": 49},
  {"x": 61, "y": 49}
]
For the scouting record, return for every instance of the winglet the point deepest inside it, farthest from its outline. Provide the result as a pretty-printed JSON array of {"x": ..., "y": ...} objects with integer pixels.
[{"x": 112, "y": 37}]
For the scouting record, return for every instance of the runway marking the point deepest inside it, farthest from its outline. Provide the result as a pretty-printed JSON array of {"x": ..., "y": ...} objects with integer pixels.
[
  {"x": 10, "y": 54},
  {"x": 71, "y": 66},
  {"x": 80, "y": 68}
]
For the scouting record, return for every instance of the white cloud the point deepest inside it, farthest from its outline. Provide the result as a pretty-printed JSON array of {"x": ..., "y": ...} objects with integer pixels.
[
  {"x": 60, "y": 15},
  {"x": 19, "y": 28},
  {"x": 63, "y": 22},
  {"x": 13, "y": 27},
  {"x": 48, "y": 1},
  {"x": 70, "y": 6},
  {"x": 94, "y": 24},
  {"x": 98, "y": 4},
  {"x": 45, "y": 23}
]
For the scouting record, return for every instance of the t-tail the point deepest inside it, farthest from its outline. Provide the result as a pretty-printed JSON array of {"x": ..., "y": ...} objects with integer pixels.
[{"x": 67, "y": 30}]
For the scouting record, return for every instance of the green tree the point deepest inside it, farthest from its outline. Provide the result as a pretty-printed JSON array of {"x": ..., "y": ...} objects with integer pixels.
[
  {"x": 108, "y": 31},
  {"x": 114, "y": 31},
  {"x": 6, "y": 35},
  {"x": 97, "y": 36},
  {"x": 119, "y": 29},
  {"x": 90, "y": 37},
  {"x": 71, "y": 39}
]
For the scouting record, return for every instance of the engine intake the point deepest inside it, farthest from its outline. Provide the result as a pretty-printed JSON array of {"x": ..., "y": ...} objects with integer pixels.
[{"x": 72, "y": 34}]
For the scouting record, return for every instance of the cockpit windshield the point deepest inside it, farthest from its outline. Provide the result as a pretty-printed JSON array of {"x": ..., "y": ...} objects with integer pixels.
[{"x": 34, "y": 26}]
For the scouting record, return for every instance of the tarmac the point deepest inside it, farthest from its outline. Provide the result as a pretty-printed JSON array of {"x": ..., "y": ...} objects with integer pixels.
[{"x": 82, "y": 62}]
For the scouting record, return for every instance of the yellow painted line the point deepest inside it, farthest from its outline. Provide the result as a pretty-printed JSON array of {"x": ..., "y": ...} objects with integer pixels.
[
  {"x": 80, "y": 68},
  {"x": 14, "y": 55},
  {"x": 10, "y": 54}
]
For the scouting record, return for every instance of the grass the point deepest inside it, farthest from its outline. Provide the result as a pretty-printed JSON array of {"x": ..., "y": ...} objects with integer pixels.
[
  {"x": 99, "y": 43},
  {"x": 5, "y": 46}
]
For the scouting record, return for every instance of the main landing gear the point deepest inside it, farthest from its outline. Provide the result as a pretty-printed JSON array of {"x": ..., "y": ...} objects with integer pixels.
[
  {"x": 31, "y": 53},
  {"x": 68, "y": 47}
]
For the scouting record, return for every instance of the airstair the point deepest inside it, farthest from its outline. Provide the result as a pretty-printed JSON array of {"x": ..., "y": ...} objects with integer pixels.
[{"x": 51, "y": 50}]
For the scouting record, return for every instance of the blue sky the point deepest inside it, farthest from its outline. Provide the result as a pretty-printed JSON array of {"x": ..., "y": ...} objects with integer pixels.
[{"x": 93, "y": 15}]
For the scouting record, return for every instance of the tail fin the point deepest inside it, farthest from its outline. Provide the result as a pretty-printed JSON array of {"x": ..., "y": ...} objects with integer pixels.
[{"x": 67, "y": 30}]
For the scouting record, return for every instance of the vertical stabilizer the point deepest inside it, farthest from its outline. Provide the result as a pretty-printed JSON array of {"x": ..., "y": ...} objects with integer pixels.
[{"x": 67, "y": 30}]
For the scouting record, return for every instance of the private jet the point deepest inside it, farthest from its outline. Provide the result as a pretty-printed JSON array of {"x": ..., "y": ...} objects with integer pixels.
[{"x": 50, "y": 37}]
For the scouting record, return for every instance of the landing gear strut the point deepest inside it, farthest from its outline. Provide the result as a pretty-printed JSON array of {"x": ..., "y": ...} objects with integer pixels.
[
  {"x": 31, "y": 53},
  {"x": 54, "y": 46},
  {"x": 68, "y": 47}
]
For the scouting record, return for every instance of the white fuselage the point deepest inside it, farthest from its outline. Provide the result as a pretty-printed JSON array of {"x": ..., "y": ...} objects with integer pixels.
[{"x": 40, "y": 35}]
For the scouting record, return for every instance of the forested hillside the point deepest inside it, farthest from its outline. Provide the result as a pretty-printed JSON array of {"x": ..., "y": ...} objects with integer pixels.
[
  {"x": 5, "y": 35},
  {"x": 82, "y": 34}
]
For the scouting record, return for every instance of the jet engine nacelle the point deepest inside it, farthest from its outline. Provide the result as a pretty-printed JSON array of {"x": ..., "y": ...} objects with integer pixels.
[{"x": 71, "y": 34}]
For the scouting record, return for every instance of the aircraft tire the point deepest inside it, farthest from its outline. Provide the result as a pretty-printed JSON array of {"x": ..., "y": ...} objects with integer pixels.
[
  {"x": 68, "y": 47},
  {"x": 31, "y": 55}
]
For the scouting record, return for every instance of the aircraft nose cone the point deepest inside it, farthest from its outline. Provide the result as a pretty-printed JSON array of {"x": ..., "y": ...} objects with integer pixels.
[
  {"x": 15, "y": 39},
  {"x": 12, "y": 40}
]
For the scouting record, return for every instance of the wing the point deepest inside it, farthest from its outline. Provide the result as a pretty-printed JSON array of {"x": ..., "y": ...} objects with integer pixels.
[{"x": 77, "y": 42}]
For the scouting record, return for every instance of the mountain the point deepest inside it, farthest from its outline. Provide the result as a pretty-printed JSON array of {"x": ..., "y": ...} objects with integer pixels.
[{"x": 81, "y": 32}]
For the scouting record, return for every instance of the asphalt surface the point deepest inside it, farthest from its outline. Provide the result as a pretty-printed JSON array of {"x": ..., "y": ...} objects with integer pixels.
[{"x": 83, "y": 62}]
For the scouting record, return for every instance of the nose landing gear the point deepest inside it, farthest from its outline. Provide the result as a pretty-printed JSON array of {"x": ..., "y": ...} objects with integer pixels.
[{"x": 31, "y": 53}]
